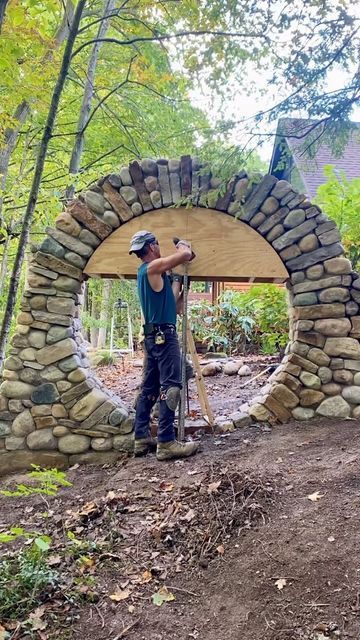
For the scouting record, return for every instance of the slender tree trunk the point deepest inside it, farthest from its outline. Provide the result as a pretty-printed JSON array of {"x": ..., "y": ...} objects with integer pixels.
[
  {"x": 39, "y": 168},
  {"x": 3, "y": 4},
  {"x": 4, "y": 263},
  {"x": 87, "y": 98},
  {"x": 94, "y": 331},
  {"x": 104, "y": 314},
  {"x": 23, "y": 110}
]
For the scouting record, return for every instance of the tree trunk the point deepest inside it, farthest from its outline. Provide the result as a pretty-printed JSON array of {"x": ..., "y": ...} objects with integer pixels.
[
  {"x": 39, "y": 168},
  {"x": 87, "y": 98},
  {"x": 94, "y": 331},
  {"x": 23, "y": 110},
  {"x": 104, "y": 314},
  {"x": 4, "y": 263},
  {"x": 3, "y": 4}
]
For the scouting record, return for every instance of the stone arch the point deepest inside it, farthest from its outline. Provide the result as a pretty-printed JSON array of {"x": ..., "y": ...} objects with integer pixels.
[{"x": 54, "y": 411}]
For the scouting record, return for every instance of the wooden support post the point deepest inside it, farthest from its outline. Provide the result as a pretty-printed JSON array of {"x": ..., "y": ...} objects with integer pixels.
[{"x": 200, "y": 384}]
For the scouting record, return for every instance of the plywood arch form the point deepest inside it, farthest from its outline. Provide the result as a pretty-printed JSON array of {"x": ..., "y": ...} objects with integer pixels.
[{"x": 225, "y": 247}]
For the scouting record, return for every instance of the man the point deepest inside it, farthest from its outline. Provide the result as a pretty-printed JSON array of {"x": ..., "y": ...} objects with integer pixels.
[{"x": 162, "y": 367}]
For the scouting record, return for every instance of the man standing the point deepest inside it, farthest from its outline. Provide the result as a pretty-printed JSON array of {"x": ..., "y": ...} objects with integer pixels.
[{"x": 162, "y": 368}]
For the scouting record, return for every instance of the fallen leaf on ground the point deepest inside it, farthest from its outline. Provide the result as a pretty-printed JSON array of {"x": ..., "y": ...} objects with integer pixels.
[
  {"x": 146, "y": 576},
  {"x": 3, "y": 633},
  {"x": 331, "y": 539},
  {"x": 220, "y": 549},
  {"x": 314, "y": 497},
  {"x": 166, "y": 486},
  {"x": 120, "y": 594},
  {"x": 280, "y": 583},
  {"x": 213, "y": 486},
  {"x": 131, "y": 608},
  {"x": 190, "y": 515},
  {"x": 161, "y": 596},
  {"x": 53, "y": 560}
]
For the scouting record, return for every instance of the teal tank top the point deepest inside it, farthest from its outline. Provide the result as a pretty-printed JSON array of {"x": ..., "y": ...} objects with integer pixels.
[{"x": 158, "y": 307}]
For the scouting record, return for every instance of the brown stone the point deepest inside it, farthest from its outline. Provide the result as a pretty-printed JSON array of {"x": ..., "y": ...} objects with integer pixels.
[
  {"x": 333, "y": 327},
  {"x": 77, "y": 390},
  {"x": 275, "y": 233},
  {"x": 277, "y": 408},
  {"x": 95, "y": 457},
  {"x": 310, "y": 397},
  {"x": 289, "y": 381},
  {"x": 355, "y": 327},
  {"x": 304, "y": 325},
  {"x": 36, "y": 280},
  {"x": 117, "y": 202},
  {"x": 98, "y": 415},
  {"x": 58, "y": 351},
  {"x": 315, "y": 272},
  {"x": 87, "y": 405},
  {"x": 67, "y": 223},
  {"x": 310, "y": 380},
  {"x": 343, "y": 376},
  {"x": 24, "y": 318},
  {"x": 295, "y": 359},
  {"x": 334, "y": 310},
  {"x": 41, "y": 410},
  {"x": 319, "y": 283},
  {"x": 44, "y": 422},
  {"x": 338, "y": 265},
  {"x": 259, "y": 412},
  {"x": 270, "y": 205},
  {"x": 80, "y": 212},
  {"x": 318, "y": 357},
  {"x": 285, "y": 396},
  {"x": 325, "y": 374},
  {"x": 59, "y": 411},
  {"x": 334, "y": 294},
  {"x": 59, "y": 266},
  {"x": 257, "y": 220},
  {"x": 23, "y": 460},
  {"x": 300, "y": 348},
  {"x": 343, "y": 347},
  {"x": 290, "y": 252},
  {"x": 338, "y": 363},
  {"x": 331, "y": 389},
  {"x": 310, "y": 337},
  {"x": 273, "y": 220},
  {"x": 308, "y": 243}
]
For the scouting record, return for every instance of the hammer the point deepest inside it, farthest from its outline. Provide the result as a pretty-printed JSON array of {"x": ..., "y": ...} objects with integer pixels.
[{"x": 176, "y": 241}]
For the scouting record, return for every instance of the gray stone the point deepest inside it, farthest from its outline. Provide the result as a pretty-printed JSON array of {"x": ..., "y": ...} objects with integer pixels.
[
  {"x": 37, "y": 339},
  {"x": 297, "y": 277},
  {"x": 23, "y": 424},
  {"x": 149, "y": 167},
  {"x": 357, "y": 378},
  {"x": 13, "y": 363},
  {"x": 281, "y": 189},
  {"x": 290, "y": 252},
  {"x": 155, "y": 197},
  {"x": 352, "y": 308},
  {"x": 303, "y": 299},
  {"x": 73, "y": 443},
  {"x": 339, "y": 327},
  {"x": 331, "y": 389},
  {"x": 125, "y": 176},
  {"x": 13, "y": 443},
  {"x": 61, "y": 305},
  {"x": 334, "y": 407},
  {"x": 317, "y": 311},
  {"x": 351, "y": 394},
  {"x": 324, "y": 227},
  {"x": 337, "y": 363},
  {"x": 308, "y": 243},
  {"x": 296, "y": 200},
  {"x": 303, "y": 413},
  {"x": 313, "y": 257},
  {"x": 176, "y": 187},
  {"x": 42, "y": 439},
  {"x": 291, "y": 236},
  {"x": 69, "y": 364},
  {"x": 75, "y": 259},
  {"x": 117, "y": 416},
  {"x": 52, "y": 318},
  {"x": 151, "y": 184},
  {"x": 275, "y": 232},
  {"x": 44, "y": 272},
  {"x": 38, "y": 302},
  {"x": 5, "y": 428},
  {"x": 356, "y": 413},
  {"x": 257, "y": 197},
  {"x": 60, "y": 431},
  {"x": 129, "y": 194},
  {"x": 64, "y": 283},
  {"x": 256, "y": 221},
  {"x": 325, "y": 374},
  {"x": 270, "y": 205},
  {"x": 49, "y": 245},
  {"x": 304, "y": 325},
  {"x": 273, "y": 220},
  {"x": 52, "y": 374},
  {"x": 310, "y": 380},
  {"x": 231, "y": 368},
  {"x": 115, "y": 180},
  {"x": 30, "y": 376},
  {"x": 136, "y": 208},
  {"x": 15, "y": 389},
  {"x": 334, "y": 294},
  {"x": 124, "y": 442},
  {"x": 329, "y": 237},
  {"x": 57, "y": 333},
  {"x": 353, "y": 365},
  {"x": 244, "y": 370},
  {"x": 111, "y": 218},
  {"x": 294, "y": 218},
  {"x": 71, "y": 243},
  {"x": 27, "y": 354},
  {"x": 343, "y": 347},
  {"x": 174, "y": 165},
  {"x": 101, "y": 444},
  {"x": 314, "y": 285},
  {"x": 95, "y": 201},
  {"x": 45, "y": 394},
  {"x": 319, "y": 357}
]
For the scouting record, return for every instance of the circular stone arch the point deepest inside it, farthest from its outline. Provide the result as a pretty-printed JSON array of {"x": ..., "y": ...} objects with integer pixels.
[{"x": 53, "y": 409}]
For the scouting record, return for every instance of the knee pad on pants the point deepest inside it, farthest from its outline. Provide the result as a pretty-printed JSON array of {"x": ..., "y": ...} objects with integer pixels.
[{"x": 171, "y": 397}]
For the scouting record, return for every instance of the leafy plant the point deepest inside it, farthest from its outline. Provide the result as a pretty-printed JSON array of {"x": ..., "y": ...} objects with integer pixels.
[{"x": 47, "y": 482}]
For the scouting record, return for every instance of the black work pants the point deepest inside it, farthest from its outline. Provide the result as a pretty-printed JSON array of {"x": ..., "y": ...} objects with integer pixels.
[{"x": 162, "y": 371}]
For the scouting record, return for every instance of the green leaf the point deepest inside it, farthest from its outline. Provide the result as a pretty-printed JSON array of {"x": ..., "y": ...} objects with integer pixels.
[
  {"x": 43, "y": 543},
  {"x": 161, "y": 596}
]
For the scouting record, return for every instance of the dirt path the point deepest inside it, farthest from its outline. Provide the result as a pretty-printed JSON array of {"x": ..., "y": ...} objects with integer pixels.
[{"x": 151, "y": 516}]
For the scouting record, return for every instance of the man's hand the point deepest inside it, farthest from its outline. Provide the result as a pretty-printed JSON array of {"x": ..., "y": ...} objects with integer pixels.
[{"x": 182, "y": 245}]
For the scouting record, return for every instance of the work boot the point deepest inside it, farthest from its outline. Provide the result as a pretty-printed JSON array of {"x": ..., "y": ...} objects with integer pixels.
[
  {"x": 175, "y": 449},
  {"x": 142, "y": 446}
]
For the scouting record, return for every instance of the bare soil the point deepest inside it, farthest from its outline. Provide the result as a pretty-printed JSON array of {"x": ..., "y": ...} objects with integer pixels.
[{"x": 220, "y": 533}]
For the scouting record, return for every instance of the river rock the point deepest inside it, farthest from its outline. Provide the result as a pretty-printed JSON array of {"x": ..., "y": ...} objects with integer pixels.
[
  {"x": 294, "y": 218},
  {"x": 14, "y": 443},
  {"x": 30, "y": 376},
  {"x": 13, "y": 363},
  {"x": 303, "y": 413},
  {"x": 334, "y": 294},
  {"x": 319, "y": 357},
  {"x": 64, "y": 283},
  {"x": 303, "y": 299},
  {"x": 16, "y": 389},
  {"x": 95, "y": 201},
  {"x": 231, "y": 368},
  {"x": 69, "y": 364},
  {"x": 41, "y": 440},
  {"x": 333, "y": 327},
  {"x": 61, "y": 305},
  {"x": 325, "y": 374},
  {"x": 338, "y": 265},
  {"x": 211, "y": 369},
  {"x": 77, "y": 375},
  {"x": 310, "y": 380},
  {"x": 101, "y": 444},
  {"x": 351, "y": 394},
  {"x": 23, "y": 424},
  {"x": 124, "y": 442},
  {"x": 5, "y": 428},
  {"x": 57, "y": 333},
  {"x": 117, "y": 416},
  {"x": 308, "y": 243},
  {"x": 270, "y": 204},
  {"x": 311, "y": 397},
  {"x": 37, "y": 339},
  {"x": 129, "y": 194},
  {"x": 334, "y": 407},
  {"x": 27, "y": 354},
  {"x": 111, "y": 219},
  {"x": 259, "y": 412},
  {"x": 73, "y": 443},
  {"x": 285, "y": 396},
  {"x": 343, "y": 376},
  {"x": 244, "y": 370},
  {"x": 331, "y": 389},
  {"x": 315, "y": 272},
  {"x": 45, "y": 394},
  {"x": 52, "y": 374}
]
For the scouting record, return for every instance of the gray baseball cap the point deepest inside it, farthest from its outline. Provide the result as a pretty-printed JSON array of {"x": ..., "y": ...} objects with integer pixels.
[{"x": 140, "y": 239}]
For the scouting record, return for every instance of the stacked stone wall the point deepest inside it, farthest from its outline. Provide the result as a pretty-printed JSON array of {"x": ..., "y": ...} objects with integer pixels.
[{"x": 54, "y": 411}]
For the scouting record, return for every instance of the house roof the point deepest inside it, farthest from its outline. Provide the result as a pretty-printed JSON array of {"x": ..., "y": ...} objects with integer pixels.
[{"x": 295, "y": 135}]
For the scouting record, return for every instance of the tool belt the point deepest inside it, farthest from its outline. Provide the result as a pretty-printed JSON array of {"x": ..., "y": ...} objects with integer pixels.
[{"x": 151, "y": 329}]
